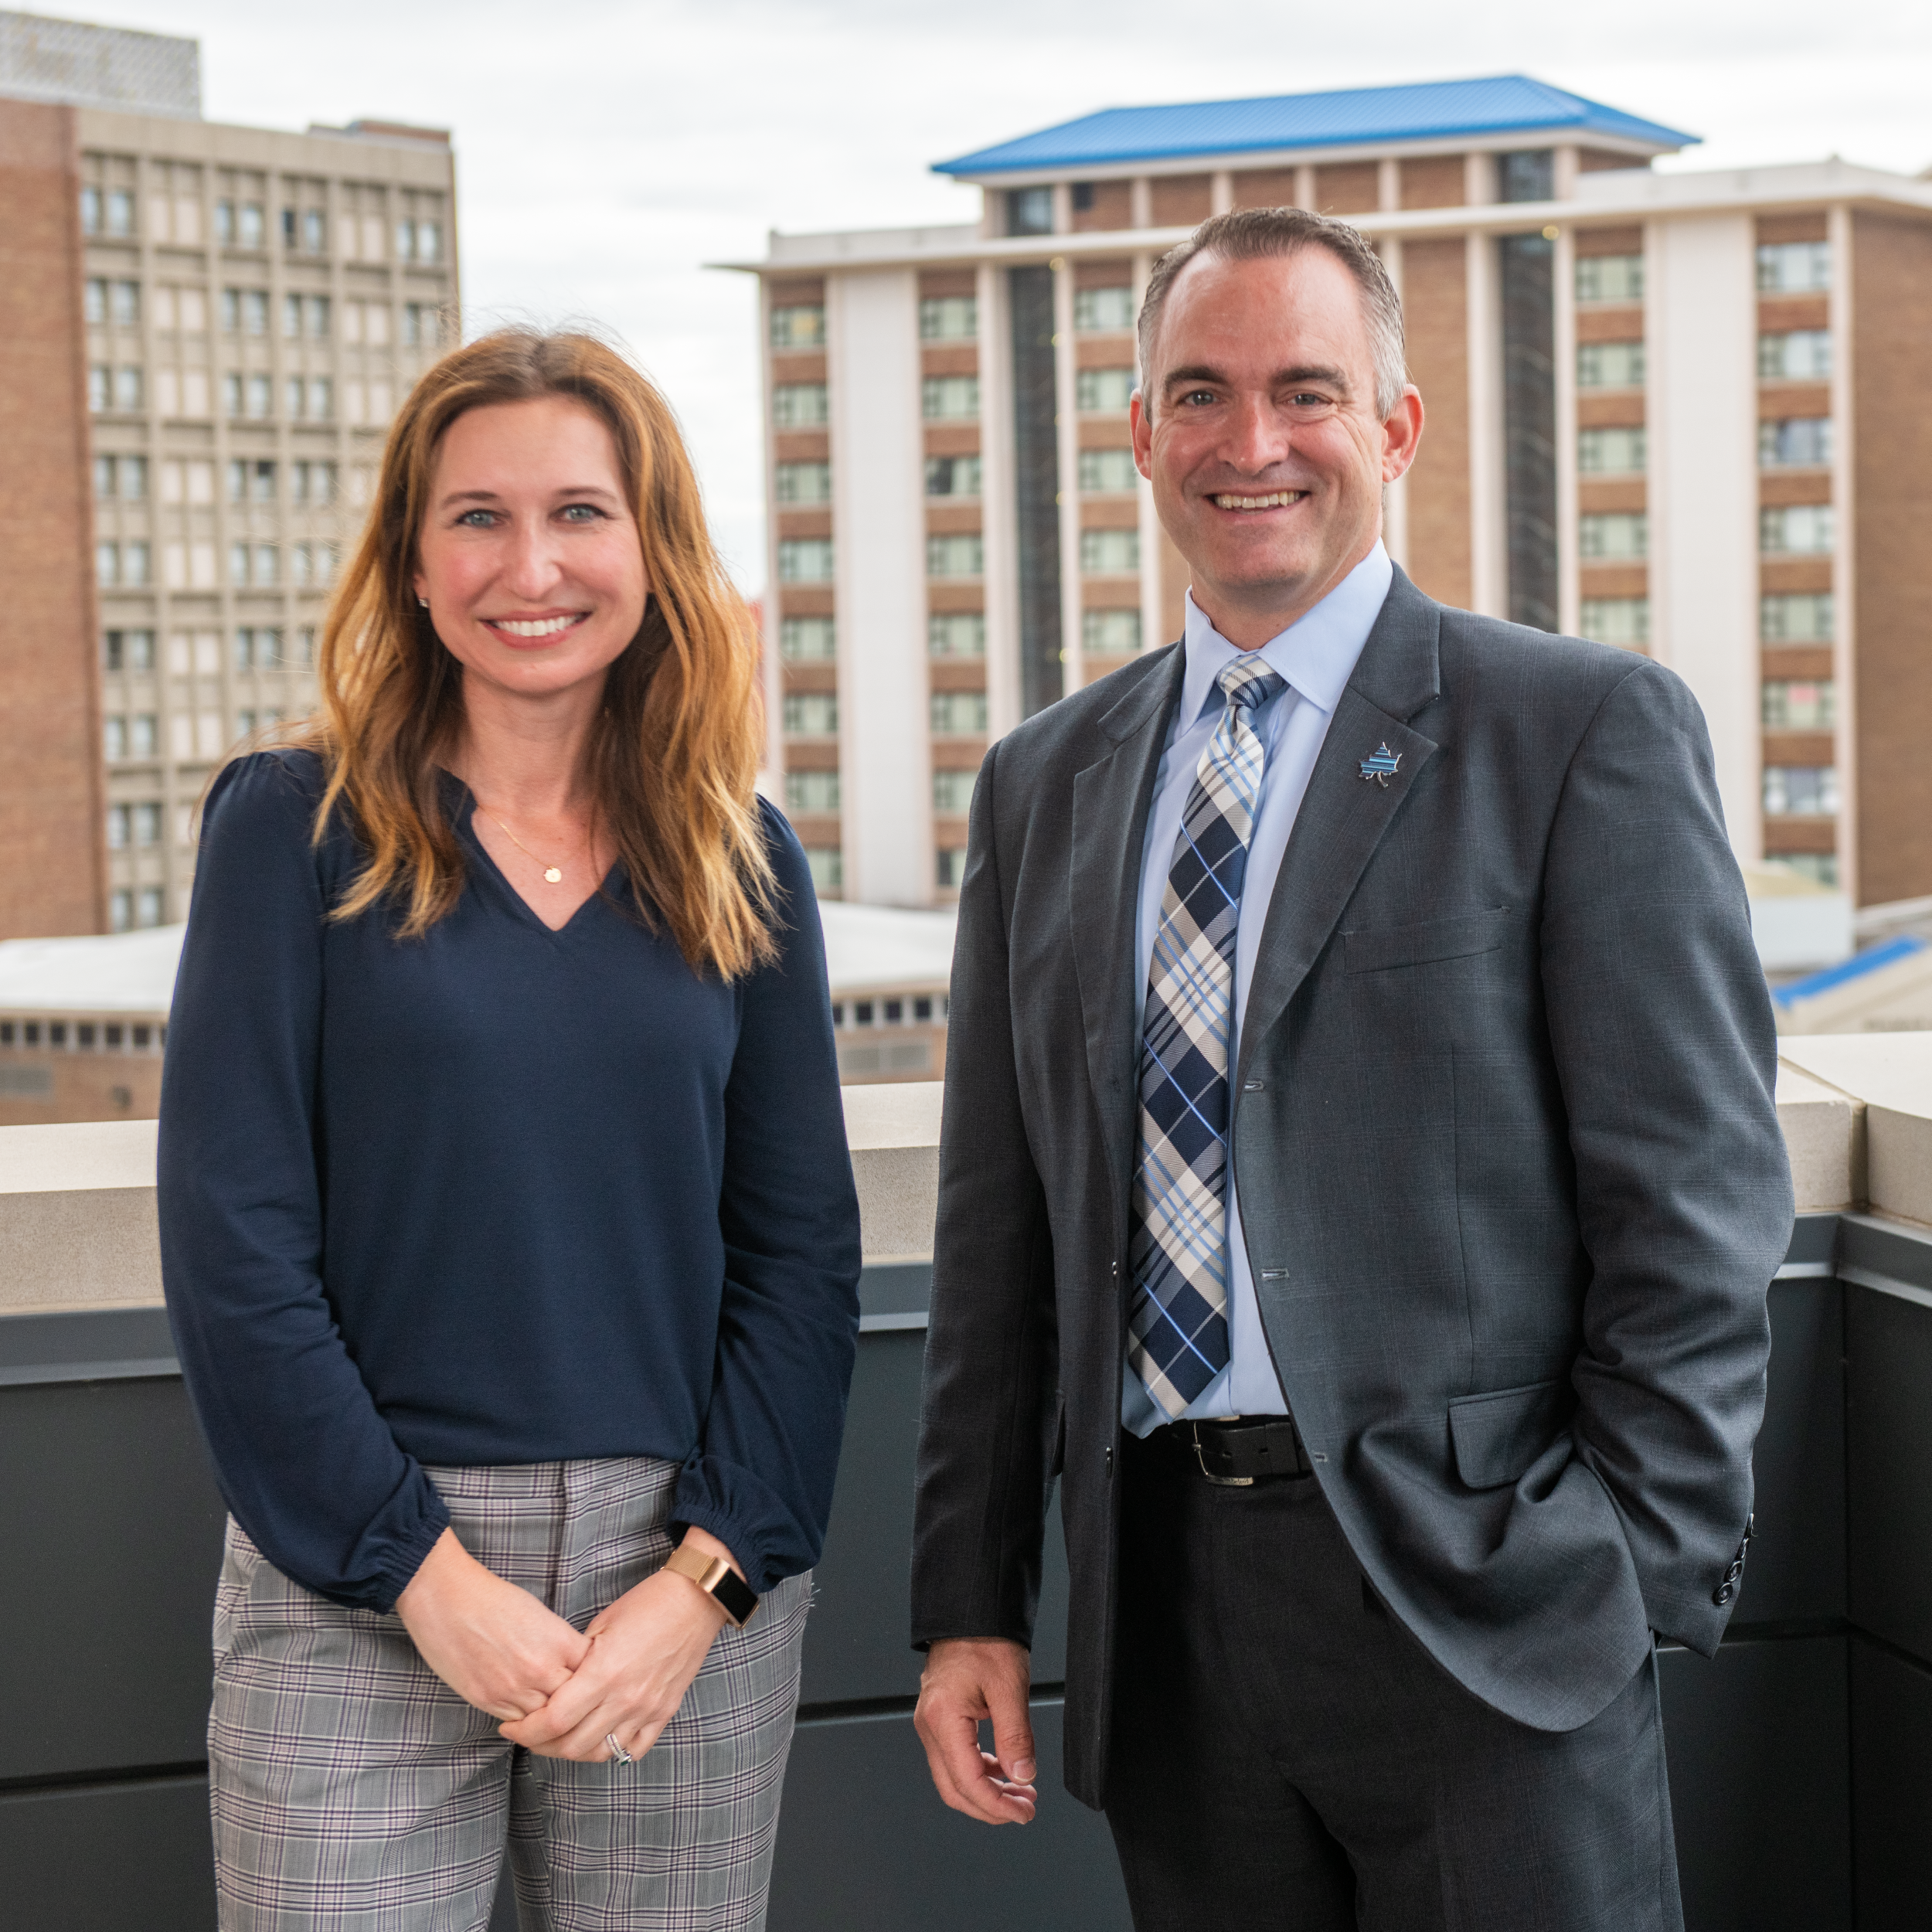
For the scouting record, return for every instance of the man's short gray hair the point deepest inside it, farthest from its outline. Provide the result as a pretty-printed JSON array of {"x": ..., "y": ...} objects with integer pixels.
[{"x": 1254, "y": 234}]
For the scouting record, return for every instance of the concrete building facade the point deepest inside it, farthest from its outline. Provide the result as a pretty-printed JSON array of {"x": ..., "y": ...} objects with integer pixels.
[
  {"x": 210, "y": 328},
  {"x": 1687, "y": 413}
]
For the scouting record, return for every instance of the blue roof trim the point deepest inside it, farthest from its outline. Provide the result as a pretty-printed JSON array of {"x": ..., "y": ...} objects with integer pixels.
[
  {"x": 1855, "y": 967},
  {"x": 1428, "y": 111}
]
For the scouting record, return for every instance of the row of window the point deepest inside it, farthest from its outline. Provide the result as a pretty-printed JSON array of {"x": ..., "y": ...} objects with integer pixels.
[
  {"x": 126, "y": 478},
  {"x": 87, "y": 1035},
  {"x": 955, "y": 398},
  {"x": 1802, "y": 617},
  {"x": 1791, "y": 530},
  {"x": 814, "y": 714},
  {"x": 961, "y": 633},
  {"x": 819, "y": 790},
  {"x": 204, "y": 735},
  {"x": 1797, "y": 355},
  {"x": 1800, "y": 704},
  {"x": 138, "y": 825},
  {"x": 304, "y": 398},
  {"x": 808, "y": 559},
  {"x": 1801, "y": 791},
  {"x": 1102, "y": 472},
  {"x": 955, "y": 318},
  {"x": 919, "y": 1011},
  {"x": 244, "y": 224},
  {"x": 245, "y": 311},
  {"x": 190, "y": 566},
  {"x": 255, "y": 648},
  {"x": 1783, "y": 268},
  {"x": 130, "y": 909}
]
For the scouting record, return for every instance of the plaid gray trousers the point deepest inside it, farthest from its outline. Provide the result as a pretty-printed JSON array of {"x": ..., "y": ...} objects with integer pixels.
[{"x": 353, "y": 1790}]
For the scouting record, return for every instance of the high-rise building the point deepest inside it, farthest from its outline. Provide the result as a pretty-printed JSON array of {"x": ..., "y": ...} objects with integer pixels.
[
  {"x": 208, "y": 330},
  {"x": 1687, "y": 413}
]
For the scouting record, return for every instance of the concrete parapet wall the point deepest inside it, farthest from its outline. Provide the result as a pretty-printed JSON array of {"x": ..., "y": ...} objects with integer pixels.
[{"x": 77, "y": 1223}]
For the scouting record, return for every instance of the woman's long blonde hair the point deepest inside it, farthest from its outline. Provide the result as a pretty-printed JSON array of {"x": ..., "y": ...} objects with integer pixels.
[{"x": 672, "y": 754}]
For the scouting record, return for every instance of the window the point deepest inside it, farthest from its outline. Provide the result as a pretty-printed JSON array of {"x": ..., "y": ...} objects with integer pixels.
[
  {"x": 1619, "y": 620},
  {"x": 315, "y": 312},
  {"x": 127, "y": 650},
  {"x": 1609, "y": 278},
  {"x": 952, "y": 791},
  {"x": 100, "y": 387},
  {"x": 244, "y": 723},
  {"x": 266, "y": 564},
  {"x": 261, "y": 482},
  {"x": 301, "y": 566},
  {"x": 798, "y": 325},
  {"x": 251, "y": 228},
  {"x": 1799, "y": 356},
  {"x": 1107, "y": 472},
  {"x": 1610, "y": 366},
  {"x": 296, "y": 391},
  {"x": 961, "y": 555},
  {"x": 148, "y": 910},
  {"x": 1529, "y": 174},
  {"x": 1798, "y": 442},
  {"x": 107, "y": 564},
  {"x": 1796, "y": 529},
  {"x": 114, "y": 737},
  {"x": 429, "y": 241},
  {"x": 1618, "y": 452},
  {"x": 147, "y": 825},
  {"x": 231, "y": 393},
  {"x": 950, "y": 872},
  {"x": 261, "y": 396},
  {"x": 1102, "y": 388},
  {"x": 1617, "y": 536},
  {"x": 93, "y": 299},
  {"x": 104, "y": 476},
  {"x": 944, "y": 398},
  {"x": 1793, "y": 268},
  {"x": 1800, "y": 704},
  {"x": 1110, "y": 634},
  {"x": 244, "y": 650},
  {"x": 313, "y": 482},
  {"x": 812, "y": 792},
  {"x": 800, "y": 405},
  {"x": 90, "y": 211},
  {"x": 1103, "y": 309},
  {"x": 144, "y": 739},
  {"x": 421, "y": 326},
  {"x": 948, "y": 318},
  {"x": 1029, "y": 211},
  {"x": 803, "y": 483},
  {"x": 291, "y": 228},
  {"x": 1802, "y": 790},
  {"x": 1109, "y": 553},
  {"x": 133, "y": 564},
  {"x": 812, "y": 714},
  {"x": 254, "y": 311},
  {"x": 120, "y": 212},
  {"x": 952, "y": 476},
  {"x": 1803, "y": 617},
  {"x": 1821, "y": 867},
  {"x": 114, "y": 649},
  {"x": 807, "y": 640},
  {"x": 132, "y": 474},
  {"x": 959, "y": 713},
  {"x": 304, "y": 653},
  {"x": 120, "y": 916},
  {"x": 806, "y": 559},
  {"x": 124, "y": 304},
  {"x": 291, "y": 318},
  {"x": 127, "y": 389},
  {"x": 314, "y": 232},
  {"x": 827, "y": 867},
  {"x": 230, "y": 303},
  {"x": 225, "y": 223},
  {"x": 119, "y": 827},
  {"x": 956, "y": 633}
]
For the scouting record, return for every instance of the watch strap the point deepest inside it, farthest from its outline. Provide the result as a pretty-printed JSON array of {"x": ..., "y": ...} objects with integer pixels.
[{"x": 717, "y": 1580}]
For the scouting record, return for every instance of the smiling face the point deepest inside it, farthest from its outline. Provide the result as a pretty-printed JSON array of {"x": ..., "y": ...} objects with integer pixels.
[
  {"x": 1266, "y": 454},
  {"x": 529, "y": 553}
]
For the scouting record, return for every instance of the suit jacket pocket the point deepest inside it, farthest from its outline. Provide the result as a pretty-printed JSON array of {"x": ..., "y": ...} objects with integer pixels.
[
  {"x": 1498, "y": 1435},
  {"x": 1374, "y": 949}
]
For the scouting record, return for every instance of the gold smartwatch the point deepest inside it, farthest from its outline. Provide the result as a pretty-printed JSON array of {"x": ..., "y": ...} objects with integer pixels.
[{"x": 717, "y": 1580}]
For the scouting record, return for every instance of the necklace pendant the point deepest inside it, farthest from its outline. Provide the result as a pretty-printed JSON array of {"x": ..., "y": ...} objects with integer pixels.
[{"x": 553, "y": 874}]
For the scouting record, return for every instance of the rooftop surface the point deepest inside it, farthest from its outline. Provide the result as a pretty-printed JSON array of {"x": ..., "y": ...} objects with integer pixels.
[{"x": 1352, "y": 117}]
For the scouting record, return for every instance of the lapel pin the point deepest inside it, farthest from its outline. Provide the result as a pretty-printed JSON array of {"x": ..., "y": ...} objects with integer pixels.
[{"x": 1382, "y": 767}]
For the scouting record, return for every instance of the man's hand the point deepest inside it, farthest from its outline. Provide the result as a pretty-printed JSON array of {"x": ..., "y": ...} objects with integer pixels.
[
  {"x": 644, "y": 1649},
  {"x": 494, "y": 1644},
  {"x": 968, "y": 1679}
]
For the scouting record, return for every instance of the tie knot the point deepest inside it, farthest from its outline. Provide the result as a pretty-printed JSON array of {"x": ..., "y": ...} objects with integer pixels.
[{"x": 1249, "y": 681}]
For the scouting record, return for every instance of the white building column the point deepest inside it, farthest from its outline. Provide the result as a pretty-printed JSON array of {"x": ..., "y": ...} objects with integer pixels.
[
  {"x": 998, "y": 507},
  {"x": 871, "y": 325},
  {"x": 1563, "y": 270},
  {"x": 1395, "y": 496},
  {"x": 1488, "y": 533},
  {"x": 1066, "y": 444},
  {"x": 1150, "y": 521},
  {"x": 1845, "y": 614},
  {"x": 1700, "y": 325}
]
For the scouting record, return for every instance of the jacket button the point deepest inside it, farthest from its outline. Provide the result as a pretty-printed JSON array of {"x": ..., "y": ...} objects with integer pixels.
[{"x": 1723, "y": 1593}]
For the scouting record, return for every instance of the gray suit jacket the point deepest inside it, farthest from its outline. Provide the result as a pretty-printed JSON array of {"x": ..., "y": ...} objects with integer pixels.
[{"x": 1511, "y": 1174}]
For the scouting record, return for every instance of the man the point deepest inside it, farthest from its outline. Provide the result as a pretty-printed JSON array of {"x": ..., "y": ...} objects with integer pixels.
[{"x": 1359, "y": 1186}]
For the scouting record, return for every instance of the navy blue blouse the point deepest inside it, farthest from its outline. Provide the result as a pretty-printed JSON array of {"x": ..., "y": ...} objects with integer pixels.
[{"x": 498, "y": 1194}]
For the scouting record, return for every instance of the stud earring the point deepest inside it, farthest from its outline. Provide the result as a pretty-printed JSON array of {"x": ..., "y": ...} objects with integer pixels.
[{"x": 423, "y": 600}]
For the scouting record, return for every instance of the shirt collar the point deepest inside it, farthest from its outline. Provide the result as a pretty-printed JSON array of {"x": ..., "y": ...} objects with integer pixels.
[{"x": 1316, "y": 654}]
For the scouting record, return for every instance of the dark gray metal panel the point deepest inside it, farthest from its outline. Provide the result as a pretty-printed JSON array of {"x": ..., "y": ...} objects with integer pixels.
[
  {"x": 108, "y": 1857},
  {"x": 1760, "y": 1773},
  {"x": 857, "y": 1644},
  {"x": 1889, "y": 1456},
  {"x": 78, "y": 1344},
  {"x": 1891, "y": 1789},
  {"x": 865, "y": 1846},
  {"x": 1814, "y": 1244},
  {"x": 896, "y": 1287},
  {"x": 112, "y": 1529},
  {"x": 1796, "y": 1569}
]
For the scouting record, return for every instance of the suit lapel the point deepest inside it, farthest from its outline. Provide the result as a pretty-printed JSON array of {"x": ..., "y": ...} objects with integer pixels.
[
  {"x": 1345, "y": 812},
  {"x": 1111, "y": 797}
]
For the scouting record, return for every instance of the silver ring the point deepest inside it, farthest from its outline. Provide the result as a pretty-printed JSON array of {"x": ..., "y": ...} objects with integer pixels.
[{"x": 618, "y": 1754}]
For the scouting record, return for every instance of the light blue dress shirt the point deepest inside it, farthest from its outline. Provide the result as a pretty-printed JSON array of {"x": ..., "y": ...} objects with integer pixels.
[{"x": 1316, "y": 654}]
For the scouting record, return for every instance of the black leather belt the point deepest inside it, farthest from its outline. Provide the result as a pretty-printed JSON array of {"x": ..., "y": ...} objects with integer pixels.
[{"x": 1240, "y": 1451}]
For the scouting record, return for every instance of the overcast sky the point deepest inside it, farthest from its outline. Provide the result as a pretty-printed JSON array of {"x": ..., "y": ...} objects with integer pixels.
[{"x": 608, "y": 149}]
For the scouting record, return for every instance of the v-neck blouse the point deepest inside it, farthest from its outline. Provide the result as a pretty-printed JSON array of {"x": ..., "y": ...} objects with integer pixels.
[{"x": 499, "y": 1195}]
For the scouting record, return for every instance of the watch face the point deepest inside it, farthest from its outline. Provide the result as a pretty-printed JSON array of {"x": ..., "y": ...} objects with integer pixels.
[{"x": 732, "y": 1590}]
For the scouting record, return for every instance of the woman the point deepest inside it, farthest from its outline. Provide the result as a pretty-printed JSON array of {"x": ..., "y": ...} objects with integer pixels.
[{"x": 508, "y": 1226}]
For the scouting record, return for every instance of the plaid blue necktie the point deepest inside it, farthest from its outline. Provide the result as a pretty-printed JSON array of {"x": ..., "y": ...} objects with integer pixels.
[{"x": 1177, "y": 1323}]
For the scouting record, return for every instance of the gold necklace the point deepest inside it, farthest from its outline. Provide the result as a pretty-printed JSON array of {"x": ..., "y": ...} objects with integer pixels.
[{"x": 553, "y": 874}]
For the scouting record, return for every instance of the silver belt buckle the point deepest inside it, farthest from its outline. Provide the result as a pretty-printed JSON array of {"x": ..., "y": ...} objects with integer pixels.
[{"x": 1220, "y": 1482}]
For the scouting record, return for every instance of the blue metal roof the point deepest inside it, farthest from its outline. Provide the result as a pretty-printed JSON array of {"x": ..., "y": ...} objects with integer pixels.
[
  {"x": 1430, "y": 110},
  {"x": 1855, "y": 967}
]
